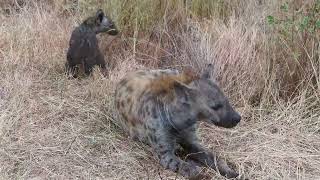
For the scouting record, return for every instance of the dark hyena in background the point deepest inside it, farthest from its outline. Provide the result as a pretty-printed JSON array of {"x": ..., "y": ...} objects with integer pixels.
[
  {"x": 161, "y": 108},
  {"x": 83, "y": 46}
]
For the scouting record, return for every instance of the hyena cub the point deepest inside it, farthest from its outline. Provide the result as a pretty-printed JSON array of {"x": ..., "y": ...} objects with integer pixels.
[
  {"x": 83, "y": 46},
  {"x": 161, "y": 108}
]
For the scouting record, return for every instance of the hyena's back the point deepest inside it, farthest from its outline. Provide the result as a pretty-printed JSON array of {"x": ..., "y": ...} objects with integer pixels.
[{"x": 133, "y": 94}]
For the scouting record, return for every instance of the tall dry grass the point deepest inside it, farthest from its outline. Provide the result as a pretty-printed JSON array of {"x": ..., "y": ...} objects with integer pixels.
[{"x": 55, "y": 128}]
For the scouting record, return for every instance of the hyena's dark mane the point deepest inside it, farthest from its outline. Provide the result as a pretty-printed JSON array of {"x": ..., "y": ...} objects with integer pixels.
[{"x": 165, "y": 83}]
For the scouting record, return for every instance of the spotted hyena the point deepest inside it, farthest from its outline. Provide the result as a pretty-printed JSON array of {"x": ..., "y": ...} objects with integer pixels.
[
  {"x": 83, "y": 46},
  {"x": 161, "y": 108}
]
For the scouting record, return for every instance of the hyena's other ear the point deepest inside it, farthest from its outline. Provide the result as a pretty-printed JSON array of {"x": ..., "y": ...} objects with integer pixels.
[
  {"x": 207, "y": 71},
  {"x": 99, "y": 15}
]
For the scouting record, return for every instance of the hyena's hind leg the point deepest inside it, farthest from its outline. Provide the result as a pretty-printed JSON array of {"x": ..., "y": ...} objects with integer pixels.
[{"x": 199, "y": 154}]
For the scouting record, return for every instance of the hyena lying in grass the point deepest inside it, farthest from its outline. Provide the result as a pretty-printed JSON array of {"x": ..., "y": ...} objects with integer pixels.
[
  {"x": 161, "y": 108},
  {"x": 83, "y": 46}
]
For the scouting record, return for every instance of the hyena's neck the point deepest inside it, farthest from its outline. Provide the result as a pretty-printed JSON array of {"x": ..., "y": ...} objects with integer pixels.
[
  {"x": 88, "y": 26},
  {"x": 85, "y": 29},
  {"x": 176, "y": 124}
]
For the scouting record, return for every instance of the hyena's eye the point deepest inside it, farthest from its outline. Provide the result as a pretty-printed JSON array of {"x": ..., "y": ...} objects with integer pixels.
[
  {"x": 186, "y": 105},
  {"x": 216, "y": 106}
]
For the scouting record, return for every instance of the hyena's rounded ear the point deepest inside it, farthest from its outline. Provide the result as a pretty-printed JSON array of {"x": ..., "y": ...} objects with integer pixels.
[
  {"x": 207, "y": 71},
  {"x": 99, "y": 15},
  {"x": 181, "y": 89}
]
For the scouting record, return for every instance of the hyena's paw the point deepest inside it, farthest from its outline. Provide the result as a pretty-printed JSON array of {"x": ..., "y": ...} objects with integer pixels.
[
  {"x": 225, "y": 170},
  {"x": 202, "y": 175},
  {"x": 232, "y": 174},
  {"x": 229, "y": 173},
  {"x": 194, "y": 173},
  {"x": 242, "y": 177},
  {"x": 105, "y": 73}
]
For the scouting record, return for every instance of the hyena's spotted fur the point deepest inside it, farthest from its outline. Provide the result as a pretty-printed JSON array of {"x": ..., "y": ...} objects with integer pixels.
[
  {"x": 83, "y": 46},
  {"x": 161, "y": 108}
]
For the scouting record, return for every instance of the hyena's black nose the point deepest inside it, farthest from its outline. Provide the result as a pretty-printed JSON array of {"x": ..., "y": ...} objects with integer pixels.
[{"x": 236, "y": 118}]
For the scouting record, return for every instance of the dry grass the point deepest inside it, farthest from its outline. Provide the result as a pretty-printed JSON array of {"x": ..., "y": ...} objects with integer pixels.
[{"x": 55, "y": 128}]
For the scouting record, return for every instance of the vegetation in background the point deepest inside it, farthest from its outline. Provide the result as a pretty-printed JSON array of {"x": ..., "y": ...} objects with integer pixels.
[{"x": 296, "y": 32}]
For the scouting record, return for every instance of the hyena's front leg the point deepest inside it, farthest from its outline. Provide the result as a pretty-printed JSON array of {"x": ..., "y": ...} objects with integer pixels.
[
  {"x": 88, "y": 65},
  {"x": 198, "y": 153},
  {"x": 71, "y": 69},
  {"x": 165, "y": 151},
  {"x": 102, "y": 64}
]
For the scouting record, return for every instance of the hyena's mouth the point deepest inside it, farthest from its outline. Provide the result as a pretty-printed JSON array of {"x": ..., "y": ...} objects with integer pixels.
[
  {"x": 112, "y": 31},
  {"x": 228, "y": 124}
]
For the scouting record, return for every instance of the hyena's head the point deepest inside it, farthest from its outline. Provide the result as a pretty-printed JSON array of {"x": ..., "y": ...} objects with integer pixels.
[
  {"x": 102, "y": 23},
  {"x": 220, "y": 112},
  {"x": 202, "y": 100}
]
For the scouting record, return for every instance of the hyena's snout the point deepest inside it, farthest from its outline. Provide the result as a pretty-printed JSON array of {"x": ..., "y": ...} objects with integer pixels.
[
  {"x": 230, "y": 120},
  {"x": 234, "y": 119},
  {"x": 222, "y": 118},
  {"x": 113, "y": 29}
]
